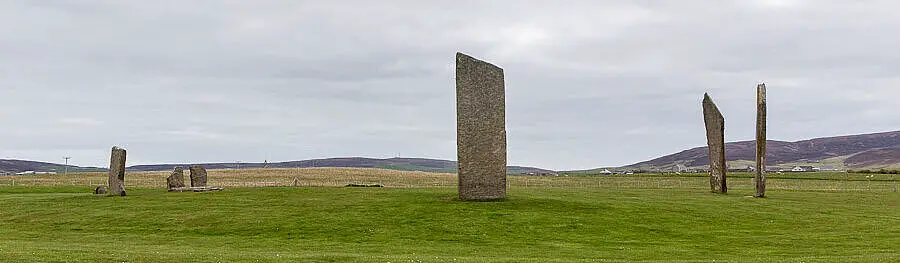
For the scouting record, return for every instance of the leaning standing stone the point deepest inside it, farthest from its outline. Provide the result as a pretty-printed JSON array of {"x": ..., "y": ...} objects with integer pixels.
[
  {"x": 481, "y": 129},
  {"x": 117, "y": 172},
  {"x": 176, "y": 179},
  {"x": 715, "y": 138},
  {"x": 198, "y": 176},
  {"x": 760, "y": 175}
]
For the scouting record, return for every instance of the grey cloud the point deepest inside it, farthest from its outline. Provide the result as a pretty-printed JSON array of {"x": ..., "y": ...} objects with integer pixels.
[{"x": 589, "y": 83}]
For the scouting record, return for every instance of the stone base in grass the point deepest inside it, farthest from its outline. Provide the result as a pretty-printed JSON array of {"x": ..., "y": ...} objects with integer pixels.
[
  {"x": 196, "y": 189},
  {"x": 101, "y": 190}
]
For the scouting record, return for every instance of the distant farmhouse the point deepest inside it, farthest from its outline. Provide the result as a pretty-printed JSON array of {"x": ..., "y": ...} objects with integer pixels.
[{"x": 803, "y": 168}]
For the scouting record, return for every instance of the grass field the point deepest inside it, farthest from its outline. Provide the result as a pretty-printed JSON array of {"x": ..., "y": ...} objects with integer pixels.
[{"x": 558, "y": 219}]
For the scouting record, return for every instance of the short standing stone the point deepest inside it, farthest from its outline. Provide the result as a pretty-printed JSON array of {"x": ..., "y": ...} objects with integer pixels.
[
  {"x": 101, "y": 190},
  {"x": 198, "y": 176},
  {"x": 117, "y": 172},
  {"x": 176, "y": 179},
  {"x": 760, "y": 176},
  {"x": 715, "y": 138},
  {"x": 481, "y": 129}
]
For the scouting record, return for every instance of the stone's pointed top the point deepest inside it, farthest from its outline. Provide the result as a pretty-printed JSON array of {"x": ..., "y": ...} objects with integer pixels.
[
  {"x": 761, "y": 93},
  {"x": 463, "y": 58},
  {"x": 708, "y": 100},
  {"x": 709, "y": 107},
  {"x": 115, "y": 148}
]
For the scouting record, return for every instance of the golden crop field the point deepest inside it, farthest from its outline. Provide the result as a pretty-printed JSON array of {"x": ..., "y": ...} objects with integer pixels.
[{"x": 338, "y": 177}]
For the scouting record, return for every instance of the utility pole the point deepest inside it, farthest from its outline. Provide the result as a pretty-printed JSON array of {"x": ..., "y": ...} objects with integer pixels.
[{"x": 66, "y": 171}]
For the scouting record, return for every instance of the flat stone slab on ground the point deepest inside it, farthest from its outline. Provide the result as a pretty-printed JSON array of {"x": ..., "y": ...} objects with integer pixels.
[
  {"x": 364, "y": 185},
  {"x": 196, "y": 189}
]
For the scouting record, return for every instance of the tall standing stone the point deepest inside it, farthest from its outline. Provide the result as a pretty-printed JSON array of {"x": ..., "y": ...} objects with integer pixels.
[
  {"x": 760, "y": 175},
  {"x": 117, "y": 172},
  {"x": 715, "y": 140},
  {"x": 481, "y": 129},
  {"x": 198, "y": 176},
  {"x": 176, "y": 179}
]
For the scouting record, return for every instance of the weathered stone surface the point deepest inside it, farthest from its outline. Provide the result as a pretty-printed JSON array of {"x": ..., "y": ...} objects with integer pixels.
[
  {"x": 117, "y": 172},
  {"x": 196, "y": 189},
  {"x": 101, "y": 190},
  {"x": 481, "y": 129},
  {"x": 198, "y": 176},
  {"x": 760, "y": 176},
  {"x": 715, "y": 139},
  {"x": 176, "y": 179}
]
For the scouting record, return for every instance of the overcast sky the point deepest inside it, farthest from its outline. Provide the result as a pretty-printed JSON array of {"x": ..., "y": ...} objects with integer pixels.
[{"x": 589, "y": 83}]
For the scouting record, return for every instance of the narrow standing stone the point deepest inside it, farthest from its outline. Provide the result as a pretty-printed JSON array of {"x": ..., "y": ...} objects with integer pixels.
[
  {"x": 198, "y": 176},
  {"x": 715, "y": 139},
  {"x": 760, "y": 140},
  {"x": 117, "y": 172},
  {"x": 481, "y": 129},
  {"x": 176, "y": 179}
]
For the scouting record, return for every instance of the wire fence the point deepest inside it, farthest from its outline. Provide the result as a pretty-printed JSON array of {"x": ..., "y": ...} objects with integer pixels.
[{"x": 339, "y": 177}]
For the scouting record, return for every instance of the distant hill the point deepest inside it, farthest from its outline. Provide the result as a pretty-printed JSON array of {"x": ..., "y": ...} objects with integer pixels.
[
  {"x": 865, "y": 151},
  {"x": 405, "y": 164},
  {"x": 16, "y": 166}
]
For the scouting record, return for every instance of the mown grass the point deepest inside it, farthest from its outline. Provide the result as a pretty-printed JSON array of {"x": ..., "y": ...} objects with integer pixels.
[{"x": 321, "y": 224}]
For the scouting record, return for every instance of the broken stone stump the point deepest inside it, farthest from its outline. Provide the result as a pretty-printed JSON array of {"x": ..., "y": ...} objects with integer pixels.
[
  {"x": 481, "y": 129},
  {"x": 101, "y": 190},
  {"x": 760, "y": 176},
  {"x": 117, "y": 172},
  {"x": 176, "y": 179},
  {"x": 198, "y": 176},
  {"x": 715, "y": 139},
  {"x": 196, "y": 189}
]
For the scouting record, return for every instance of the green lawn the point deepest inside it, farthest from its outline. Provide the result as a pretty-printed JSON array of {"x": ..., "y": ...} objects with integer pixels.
[{"x": 428, "y": 225}]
